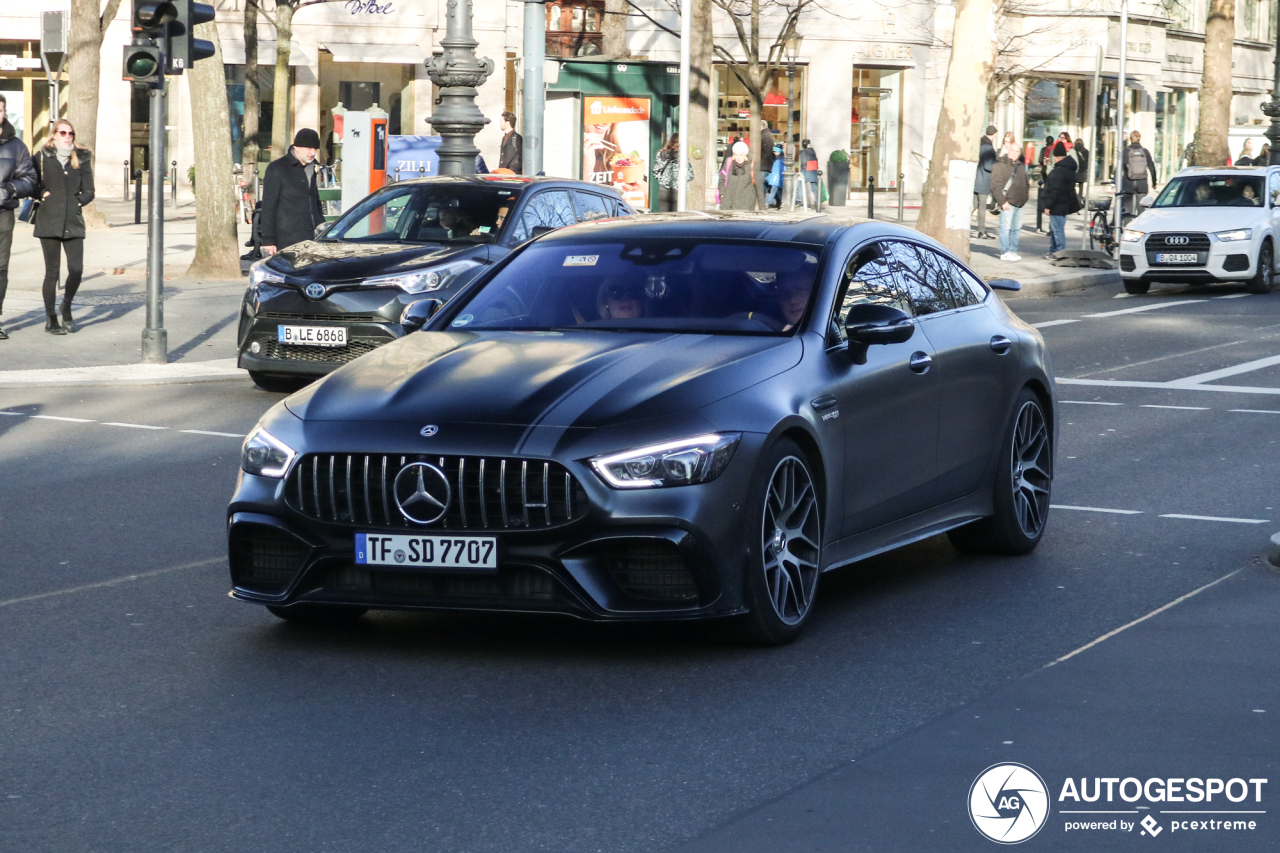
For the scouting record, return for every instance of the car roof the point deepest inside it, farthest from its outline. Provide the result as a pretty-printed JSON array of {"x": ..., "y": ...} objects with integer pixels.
[
  {"x": 798, "y": 227},
  {"x": 514, "y": 182},
  {"x": 1223, "y": 170}
]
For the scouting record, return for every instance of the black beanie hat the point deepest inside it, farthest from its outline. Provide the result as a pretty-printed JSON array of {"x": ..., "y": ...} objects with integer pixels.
[
  {"x": 307, "y": 138},
  {"x": 1059, "y": 150}
]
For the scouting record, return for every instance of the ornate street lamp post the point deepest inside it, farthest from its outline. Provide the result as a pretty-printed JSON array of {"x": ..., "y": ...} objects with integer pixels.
[
  {"x": 1272, "y": 107},
  {"x": 792, "y": 48},
  {"x": 456, "y": 69}
]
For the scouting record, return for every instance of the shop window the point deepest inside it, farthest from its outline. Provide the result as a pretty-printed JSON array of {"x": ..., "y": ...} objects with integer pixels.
[
  {"x": 359, "y": 95},
  {"x": 1183, "y": 14},
  {"x": 733, "y": 109},
  {"x": 875, "y": 127},
  {"x": 573, "y": 28}
]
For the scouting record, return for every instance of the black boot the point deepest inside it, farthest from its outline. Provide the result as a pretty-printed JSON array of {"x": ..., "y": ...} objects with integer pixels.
[
  {"x": 67, "y": 322},
  {"x": 51, "y": 324},
  {"x": 4, "y": 336}
]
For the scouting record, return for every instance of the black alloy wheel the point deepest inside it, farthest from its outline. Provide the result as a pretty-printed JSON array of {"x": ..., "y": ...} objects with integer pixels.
[
  {"x": 1135, "y": 287},
  {"x": 1023, "y": 481},
  {"x": 1265, "y": 277}
]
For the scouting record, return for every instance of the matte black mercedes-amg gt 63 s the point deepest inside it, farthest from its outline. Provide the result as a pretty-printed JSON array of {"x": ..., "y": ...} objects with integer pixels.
[{"x": 668, "y": 417}]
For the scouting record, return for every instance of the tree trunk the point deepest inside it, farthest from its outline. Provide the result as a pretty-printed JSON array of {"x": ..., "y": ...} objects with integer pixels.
[
  {"x": 960, "y": 125},
  {"x": 1215, "y": 85},
  {"x": 614, "y": 27},
  {"x": 89, "y": 22},
  {"x": 700, "y": 115},
  {"x": 280, "y": 106},
  {"x": 251, "y": 88},
  {"x": 217, "y": 251}
]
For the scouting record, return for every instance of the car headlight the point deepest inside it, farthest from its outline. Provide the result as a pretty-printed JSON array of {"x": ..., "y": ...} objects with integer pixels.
[
  {"x": 1237, "y": 234},
  {"x": 674, "y": 463},
  {"x": 265, "y": 455},
  {"x": 1129, "y": 236},
  {"x": 424, "y": 281},
  {"x": 258, "y": 273}
]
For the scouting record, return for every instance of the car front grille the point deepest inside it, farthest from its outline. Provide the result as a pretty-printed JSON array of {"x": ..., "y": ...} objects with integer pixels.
[
  {"x": 264, "y": 558},
  {"x": 487, "y": 492},
  {"x": 354, "y": 349},
  {"x": 1196, "y": 241},
  {"x": 513, "y": 583},
  {"x": 653, "y": 570},
  {"x": 321, "y": 318}
]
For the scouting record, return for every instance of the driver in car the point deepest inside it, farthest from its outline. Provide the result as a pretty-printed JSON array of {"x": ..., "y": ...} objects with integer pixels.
[
  {"x": 793, "y": 297},
  {"x": 1204, "y": 196},
  {"x": 620, "y": 300}
]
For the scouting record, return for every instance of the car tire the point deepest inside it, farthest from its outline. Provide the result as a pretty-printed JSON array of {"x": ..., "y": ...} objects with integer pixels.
[
  {"x": 784, "y": 548},
  {"x": 1266, "y": 275},
  {"x": 319, "y": 615},
  {"x": 1136, "y": 287},
  {"x": 276, "y": 383},
  {"x": 1024, "y": 478}
]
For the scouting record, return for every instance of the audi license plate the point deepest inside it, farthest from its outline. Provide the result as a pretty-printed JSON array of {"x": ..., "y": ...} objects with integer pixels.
[
  {"x": 312, "y": 336},
  {"x": 1177, "y": 258},
  {"x": 427, "y": 552}
]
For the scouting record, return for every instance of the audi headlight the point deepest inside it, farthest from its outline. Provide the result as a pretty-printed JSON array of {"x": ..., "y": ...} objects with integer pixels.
[
  {"x": 675, "y": 463},
  {"x": 1237, "y": 234},
  {"x": 425, "y": 281},
  {"x": 1129, "y": 236},
  {"x": 259, "y": 274},
  {"x": 265, "y": 455}
]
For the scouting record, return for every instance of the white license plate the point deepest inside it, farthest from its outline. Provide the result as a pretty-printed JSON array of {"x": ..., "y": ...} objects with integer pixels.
[
  {"x": 312, "y": 336},
  {"x": 427, "y": 552},
  {"x": 1183, "y": 258}
]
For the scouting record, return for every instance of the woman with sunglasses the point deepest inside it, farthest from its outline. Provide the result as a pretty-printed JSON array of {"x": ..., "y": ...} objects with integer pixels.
[{"x": 66, "y": 185}]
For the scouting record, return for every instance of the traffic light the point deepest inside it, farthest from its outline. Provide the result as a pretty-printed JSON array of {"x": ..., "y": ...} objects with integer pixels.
[
  {"x": 185, "y": 47},
  {"x": 151, "y": 17},
  {"x": 144, "y": 58},
  {"x": 142, "y": 63}
]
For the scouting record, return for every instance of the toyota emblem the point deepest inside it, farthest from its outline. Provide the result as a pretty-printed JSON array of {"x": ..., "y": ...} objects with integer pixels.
[
  {"x": 1177, "y": 241},
  {"x": 428, "y": 430},
  {"x": 422, "y": 492},
  {"x": 315, "y": 291}
]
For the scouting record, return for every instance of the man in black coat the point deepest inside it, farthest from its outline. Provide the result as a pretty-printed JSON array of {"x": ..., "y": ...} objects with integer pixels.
[
  {"x": 1059, "y": 198},
  {"x": 291, "y": 208},
  {"x": 17, "y": 180},
  {"x": 511, "y": 155},
  {"x": 982, "y": 179}
]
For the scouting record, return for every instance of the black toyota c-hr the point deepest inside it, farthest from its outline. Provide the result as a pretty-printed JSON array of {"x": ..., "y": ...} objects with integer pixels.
[{"x": 317, "y": 305}]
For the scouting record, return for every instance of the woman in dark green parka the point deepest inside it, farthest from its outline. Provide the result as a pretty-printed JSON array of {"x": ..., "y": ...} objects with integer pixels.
[{"x": 66, "y": 186}]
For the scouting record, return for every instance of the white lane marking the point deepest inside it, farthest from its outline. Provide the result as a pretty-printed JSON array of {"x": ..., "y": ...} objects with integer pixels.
[
  {"x": 14, "y": 414},
  {"x": 133, "y": 426},
  {"x": 1256, "y": 411},
  {"x": 1213, "y": 375},
  {"x": 1122, "y": 296},
  {"x": 1090, "y": 403},
  {"x": 125, "y": 372},
  {"x": 114, "y": 582},
  {"x": 69, "y": 420},
  {"x": 1121, "y": 383},
  {"x": 1188, "y": 408},
  {"x": 1158, "y": 610},
  {"x": 120, "y": 424},
  {"x": 1234, "y": 296},
  {"x": 1049, "y": 323},
  {"x": 1216, "y": 518},
  {"x": 1142, "y": 308},
  {"x": 210, "y": 432},
  {"x": 1097, "y": 509}
]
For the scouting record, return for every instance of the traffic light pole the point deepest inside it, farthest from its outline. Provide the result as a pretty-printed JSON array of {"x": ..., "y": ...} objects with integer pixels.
[{"x": 155, "y": 340}]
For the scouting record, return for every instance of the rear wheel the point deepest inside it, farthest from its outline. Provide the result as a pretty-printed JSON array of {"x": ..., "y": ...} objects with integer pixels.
[
  {"x": 1023, "y": 479},
  {"x": 319, "y": 615},
  {"x": 1136, "y": 287},
  {"x": 1264, "y": 279}
]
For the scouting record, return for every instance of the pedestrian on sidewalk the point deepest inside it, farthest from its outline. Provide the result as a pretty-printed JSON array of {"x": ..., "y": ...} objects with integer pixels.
[
  {"x": 667, "y": 171},
  {"x": 738, "y": 184},
  {"x": 1246, "y": 154},
  {"x": 808, "y": 163},
  {"x": 1081, "y": 155},
  {"x": 1010, "y": 187},
  {"x": 1138, "y": 163},
  {"x": 291, "y": 209},
  {"x": 65, "y": 172},
  {"x": 982, "y": 180},
  {"x": 511, "y": 152},
  {"x": 1059, "y": 199},
  {"x": 17, "y": 180}
]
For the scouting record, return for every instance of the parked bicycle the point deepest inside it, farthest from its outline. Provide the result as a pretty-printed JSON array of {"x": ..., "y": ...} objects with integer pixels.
[{"x": 1102, "y": 236}]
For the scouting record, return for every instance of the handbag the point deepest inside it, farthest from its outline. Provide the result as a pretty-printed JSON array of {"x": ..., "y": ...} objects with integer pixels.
[{"x": 27, "y": 212}]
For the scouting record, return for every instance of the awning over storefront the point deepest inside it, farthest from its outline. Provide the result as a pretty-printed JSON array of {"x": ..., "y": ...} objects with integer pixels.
[
  {"x": 399, "y": 54},
  {"x": 233, "y": 53}
]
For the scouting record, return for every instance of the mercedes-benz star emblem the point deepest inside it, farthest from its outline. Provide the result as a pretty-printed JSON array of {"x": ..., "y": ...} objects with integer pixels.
[
  {"x": 315, "y": 291},
  {"x": 428, "y": 430},
  {"x": 422, "y": 492}
]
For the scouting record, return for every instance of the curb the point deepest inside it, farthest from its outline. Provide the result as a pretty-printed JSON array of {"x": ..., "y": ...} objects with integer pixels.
[
  {"x": 1054, "y": 285},
  {"x": 124, "y": 374}
]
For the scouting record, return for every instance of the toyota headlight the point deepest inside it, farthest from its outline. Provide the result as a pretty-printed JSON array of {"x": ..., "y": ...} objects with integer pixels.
[
  {"x": 1129, "y": 236},
  {"x": 265, "y": 455},
  {"x": 259, "y": 274},
  {"x": 425, "y": 281},
  {"x": 1237, "y": 234},
  {"x": 674, "y": 463}
]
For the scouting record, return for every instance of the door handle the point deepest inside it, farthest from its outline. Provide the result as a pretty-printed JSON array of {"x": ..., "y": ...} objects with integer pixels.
[
  {"x": 1000, "y": 344},
  {"x": 920, "y": 362},
  {"x": 823, "y": 403}
]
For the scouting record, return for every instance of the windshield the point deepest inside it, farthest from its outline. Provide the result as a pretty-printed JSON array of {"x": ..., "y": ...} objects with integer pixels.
[
  {"x": 428, "y": 213},
  {"x": 1212, "y": 191},
  {"x": 648, "y": 285}
]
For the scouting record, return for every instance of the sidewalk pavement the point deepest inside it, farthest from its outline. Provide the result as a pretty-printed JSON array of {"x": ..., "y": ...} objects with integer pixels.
[{"x": 200, "y": 316}]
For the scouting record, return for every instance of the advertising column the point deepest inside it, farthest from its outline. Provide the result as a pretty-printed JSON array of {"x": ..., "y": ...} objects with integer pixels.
[{"x": 615, "y": 141}]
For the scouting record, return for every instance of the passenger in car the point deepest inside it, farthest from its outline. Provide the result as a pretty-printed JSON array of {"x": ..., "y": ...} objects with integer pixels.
[{"x": 1251, "y": 195}]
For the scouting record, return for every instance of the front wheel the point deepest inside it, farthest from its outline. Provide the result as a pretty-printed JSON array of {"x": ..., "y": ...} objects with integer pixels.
[
  {"x": 1264, "y": 279},
  {"x": 1023, "y": 479},
  {"x": 1136, "y": 287}
]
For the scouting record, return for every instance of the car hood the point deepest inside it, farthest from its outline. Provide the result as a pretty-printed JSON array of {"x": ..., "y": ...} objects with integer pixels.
[
  {"x": 339, "y": 261},
  {"x": 1198, "y": 218},
  {"x": 557, "y": 379}
]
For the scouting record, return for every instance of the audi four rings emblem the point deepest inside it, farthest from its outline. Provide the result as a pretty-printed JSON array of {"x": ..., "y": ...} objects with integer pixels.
[
  {"x": 315, "y": 291},
  {"x": 1176, "y": 241},
  {"x": 428, "y": 430},
  {"x": 422, "y": 492}
]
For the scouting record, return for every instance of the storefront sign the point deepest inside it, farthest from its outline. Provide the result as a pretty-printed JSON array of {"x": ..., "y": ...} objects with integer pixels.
[
  {"x": 865, "y": 50},
  {"x": 615, "y": 142},
  {"x": 368, "y": 7}
]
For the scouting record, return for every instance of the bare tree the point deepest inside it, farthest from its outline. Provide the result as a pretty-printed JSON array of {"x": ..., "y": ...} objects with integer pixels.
[
  {"x": 280, "y": 106},
  {"x": 614, "y": 29},
  {"x": 701, "y": 53},
  {"x": 89, "y": 22},
  {"x": 217, "y": 253},
  {"x": 252, "y": 90},
  {"x": 960, "y": 125},
  {"x": 1215, "y": 86}
]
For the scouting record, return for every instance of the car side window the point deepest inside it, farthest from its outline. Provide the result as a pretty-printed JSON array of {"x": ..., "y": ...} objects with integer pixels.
[
  {"x": 590, "y": 206},
  {"x": 928, "y": 279},
  {"x": 967, "y": 281},
  {"x": 1273, "y": 188},
  {"x": 869, "y": 279},
  {"x": 550, "y": 208}
]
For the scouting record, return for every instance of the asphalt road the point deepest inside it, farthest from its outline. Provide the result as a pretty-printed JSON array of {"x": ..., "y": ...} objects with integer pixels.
[{"x": 140, "y": 708}]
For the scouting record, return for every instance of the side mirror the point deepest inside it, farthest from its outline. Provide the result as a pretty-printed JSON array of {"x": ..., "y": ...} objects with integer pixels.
[
  {"x": 1146, "y": 201},
  {"x": 322, "y": 228},
  {"x": 869, "y": 325},
  {"x": 418, "y": 313},
  {"x": 539, "y": 230},
  {"x": 1003, "y": 284}
]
